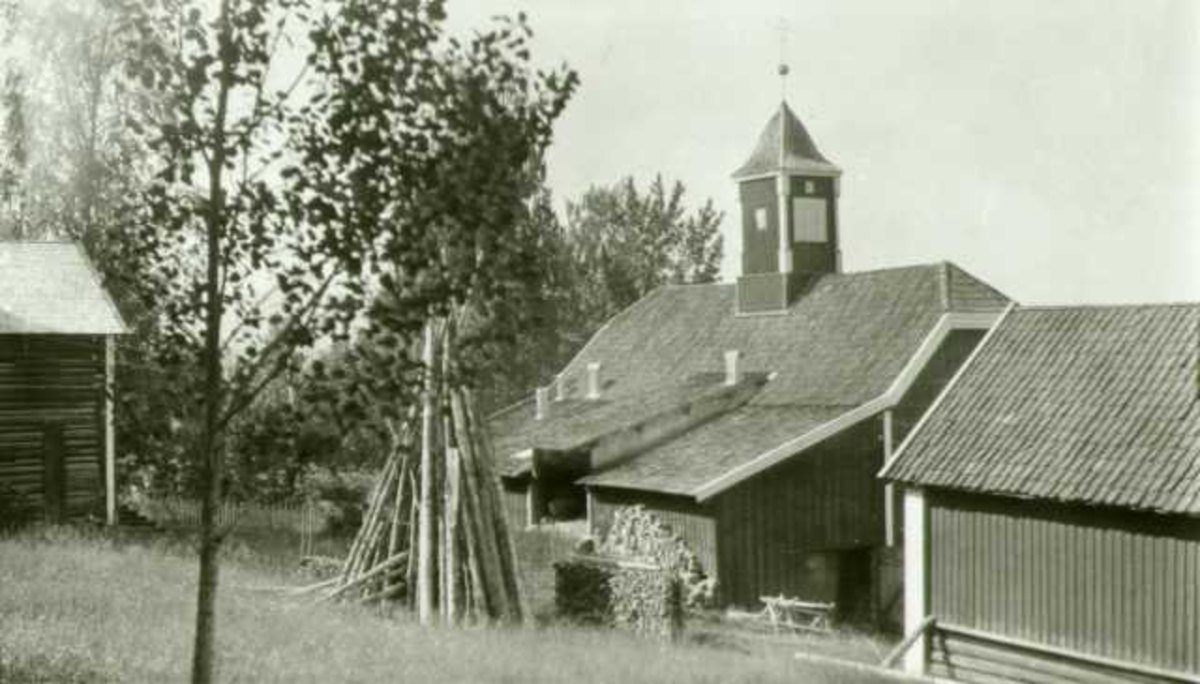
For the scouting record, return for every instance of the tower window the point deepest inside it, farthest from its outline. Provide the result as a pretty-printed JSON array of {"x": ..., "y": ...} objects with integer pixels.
[
  {"x": 760, "y": 218},
  {"x": 811, "y": 222}
]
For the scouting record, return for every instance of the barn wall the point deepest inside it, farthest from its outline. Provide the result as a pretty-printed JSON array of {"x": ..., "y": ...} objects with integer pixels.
[
  {"x": 53, "y": 379},
  {"x": 932, "y": 379},
  {"x": 1099, "y": 582},
  {"x": 693, "y": 522},
  {"x": 776, "y": 529}
]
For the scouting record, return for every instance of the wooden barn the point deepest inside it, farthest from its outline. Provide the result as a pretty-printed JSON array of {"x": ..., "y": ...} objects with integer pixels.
[
  {"x": 1052, "y": 501},
  {"x": 57, "y": 326},
  {"x": 753, "y": 417}
]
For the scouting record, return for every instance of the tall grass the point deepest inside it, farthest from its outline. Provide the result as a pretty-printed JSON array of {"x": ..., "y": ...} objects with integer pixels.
[{"x": 80, "y": 608}]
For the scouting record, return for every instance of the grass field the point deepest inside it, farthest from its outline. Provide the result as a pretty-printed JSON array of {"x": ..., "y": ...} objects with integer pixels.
[{"x": 78, "y": 607}]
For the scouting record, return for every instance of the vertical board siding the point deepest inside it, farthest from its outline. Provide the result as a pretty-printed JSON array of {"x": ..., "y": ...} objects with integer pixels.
[
  {"x": 515, "y": 499},
  {"x": 1098, "y": 582},
  {"x": 932, "y": 379},
  {"x": 826, "y": 499},
  {"x": 760, "y": 248},
  {"x": 693, "y": 522},
  {"x": 53, "y": 379}
]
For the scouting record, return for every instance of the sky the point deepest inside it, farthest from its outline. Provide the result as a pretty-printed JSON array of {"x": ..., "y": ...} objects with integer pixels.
[{"x": 1050, "y": 148}]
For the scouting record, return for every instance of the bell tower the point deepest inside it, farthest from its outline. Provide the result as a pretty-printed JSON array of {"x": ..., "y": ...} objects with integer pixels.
[{"x": 788, "y": 192}]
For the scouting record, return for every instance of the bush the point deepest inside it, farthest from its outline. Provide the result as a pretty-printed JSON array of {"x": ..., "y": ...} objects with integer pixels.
[{"x": 341, "y": 496}]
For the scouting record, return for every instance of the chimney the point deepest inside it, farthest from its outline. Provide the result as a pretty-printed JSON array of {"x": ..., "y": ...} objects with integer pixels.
[
  {"x": 733, "y": 367},
  {"x": 560, "y": 387},
  {"x": 593, "y": 384},
  {"x": 542, "y": 397}
]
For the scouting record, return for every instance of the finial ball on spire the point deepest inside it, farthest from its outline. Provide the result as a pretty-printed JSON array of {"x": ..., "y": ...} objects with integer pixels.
[{"x": 783, "y": 70}]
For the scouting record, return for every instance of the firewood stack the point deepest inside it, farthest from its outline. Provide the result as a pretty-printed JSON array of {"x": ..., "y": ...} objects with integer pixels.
[{"x": 434, "y": 533}]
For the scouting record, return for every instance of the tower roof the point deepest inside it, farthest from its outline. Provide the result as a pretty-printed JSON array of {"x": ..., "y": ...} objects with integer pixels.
[{"x": 795, "y": 152}]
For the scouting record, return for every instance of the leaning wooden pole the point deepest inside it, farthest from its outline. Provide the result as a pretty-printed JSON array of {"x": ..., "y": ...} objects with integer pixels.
[{"x": 427, "y": 533}]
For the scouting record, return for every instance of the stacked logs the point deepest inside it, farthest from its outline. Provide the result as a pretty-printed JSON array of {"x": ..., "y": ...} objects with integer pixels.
[{"x": 434, "y": 533}]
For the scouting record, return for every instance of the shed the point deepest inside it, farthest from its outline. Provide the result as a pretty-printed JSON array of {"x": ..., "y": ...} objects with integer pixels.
[
  {"x": 1052, "y": 501},
  {"x": 57, "y": 329}
]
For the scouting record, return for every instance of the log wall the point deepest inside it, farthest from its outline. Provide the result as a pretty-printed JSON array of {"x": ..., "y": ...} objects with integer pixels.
[{"x": 47, "y": 381}]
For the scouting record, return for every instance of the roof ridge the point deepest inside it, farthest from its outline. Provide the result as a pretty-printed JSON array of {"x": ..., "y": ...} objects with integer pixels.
[
  {"x": 884, "y": 269},
  {"x": 953, "y": 267},
  {"x": 1124, "y": 305},
  {"x": 721, "y": 283}
]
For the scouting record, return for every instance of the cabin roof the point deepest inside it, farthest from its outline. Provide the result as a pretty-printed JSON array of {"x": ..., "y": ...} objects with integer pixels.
[
  {"x": 840, "y": 344},
  {"x": 51, "y": 288},
  {"x": 1087, "y": 404}
]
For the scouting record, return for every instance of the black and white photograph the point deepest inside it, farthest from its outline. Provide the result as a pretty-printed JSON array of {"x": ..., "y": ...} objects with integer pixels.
[{"x": 573, "y": 341}]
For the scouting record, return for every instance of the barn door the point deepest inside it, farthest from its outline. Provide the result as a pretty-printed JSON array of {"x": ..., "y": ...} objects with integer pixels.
[{"x": 54, "y": 472}]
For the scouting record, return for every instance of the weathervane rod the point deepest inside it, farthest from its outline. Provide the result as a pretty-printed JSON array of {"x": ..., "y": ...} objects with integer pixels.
[{"x": 782, "y": 27}]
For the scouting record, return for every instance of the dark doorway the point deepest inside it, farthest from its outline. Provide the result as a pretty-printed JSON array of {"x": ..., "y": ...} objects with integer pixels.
[{"x": 854, "y": 586}]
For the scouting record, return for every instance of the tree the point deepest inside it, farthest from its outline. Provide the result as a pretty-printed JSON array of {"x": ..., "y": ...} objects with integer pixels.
[
  {"x": 627, "y": 243},
  {"x": 449, "y": 272},
  {"x": 382, "y": 193}
]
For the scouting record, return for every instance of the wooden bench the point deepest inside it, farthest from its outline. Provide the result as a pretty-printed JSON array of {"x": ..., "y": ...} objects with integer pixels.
[{"x": 793, "y": 615}]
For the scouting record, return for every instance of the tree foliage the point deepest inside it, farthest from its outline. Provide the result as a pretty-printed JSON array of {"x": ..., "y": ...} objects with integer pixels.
[
  {"x": 628, "y": 242},
  {"x": 377, "y": 189}
]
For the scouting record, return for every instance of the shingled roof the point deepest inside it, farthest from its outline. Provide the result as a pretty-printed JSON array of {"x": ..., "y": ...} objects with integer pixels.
[
  {"x": 1091, "y": 405},
  {"x": 799, "y": 153},
  {"x": 840, "y": 344},
  {"x": 51, "y": 288}
]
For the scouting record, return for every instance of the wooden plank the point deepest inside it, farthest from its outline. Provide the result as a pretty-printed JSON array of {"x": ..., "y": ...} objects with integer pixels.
[{"x": 1128, "y": 668}]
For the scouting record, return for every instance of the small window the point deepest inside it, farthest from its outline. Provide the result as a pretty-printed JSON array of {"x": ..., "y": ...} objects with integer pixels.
[
  {"x": 760, "y": 218},
  {"x": 808, "y": 213},
  {"x": 810, "y": 188}
]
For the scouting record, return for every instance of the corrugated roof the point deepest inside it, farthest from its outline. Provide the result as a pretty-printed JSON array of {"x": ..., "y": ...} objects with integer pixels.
[
  {"x": 842, "y": 343},
  {"x": 1092, "y": 405},
  {"x": 799, "y": 154},
  {"x": 51, "y": 288}
]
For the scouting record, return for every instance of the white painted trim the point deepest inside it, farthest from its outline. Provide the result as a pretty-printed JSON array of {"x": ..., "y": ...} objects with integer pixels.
[
  {"x": 522, "y": 455},
  {"x": 889, "y": 490},
  {"x": 591, "y": 522},
  {"x": 999, "y": 320},
  {"x": 895, "y": 392},
  {"x": 782, "y": 195},
  {"x": 110, "y": 440},
  {"x": 916, "y": 576}
]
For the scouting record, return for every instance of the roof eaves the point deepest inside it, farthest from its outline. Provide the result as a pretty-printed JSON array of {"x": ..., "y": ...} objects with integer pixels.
[{"x": 112, "y": 306}]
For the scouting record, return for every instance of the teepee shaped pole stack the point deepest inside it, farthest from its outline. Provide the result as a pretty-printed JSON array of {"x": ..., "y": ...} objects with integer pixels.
[{"x": 434, "y": 531}]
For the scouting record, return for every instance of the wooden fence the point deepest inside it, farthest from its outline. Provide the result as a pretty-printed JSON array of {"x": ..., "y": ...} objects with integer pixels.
[{"x": 304, "y": 518}]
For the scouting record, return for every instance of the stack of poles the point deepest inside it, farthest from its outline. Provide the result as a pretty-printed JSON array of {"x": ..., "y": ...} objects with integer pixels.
[{"x": 434, "y": 531}]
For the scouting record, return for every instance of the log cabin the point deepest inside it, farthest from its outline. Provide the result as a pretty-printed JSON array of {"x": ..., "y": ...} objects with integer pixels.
[
  {"x": 57, "y": 331},
  {"x": 752, "y": 417},
  {"x": 1052, "y": 502}
]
